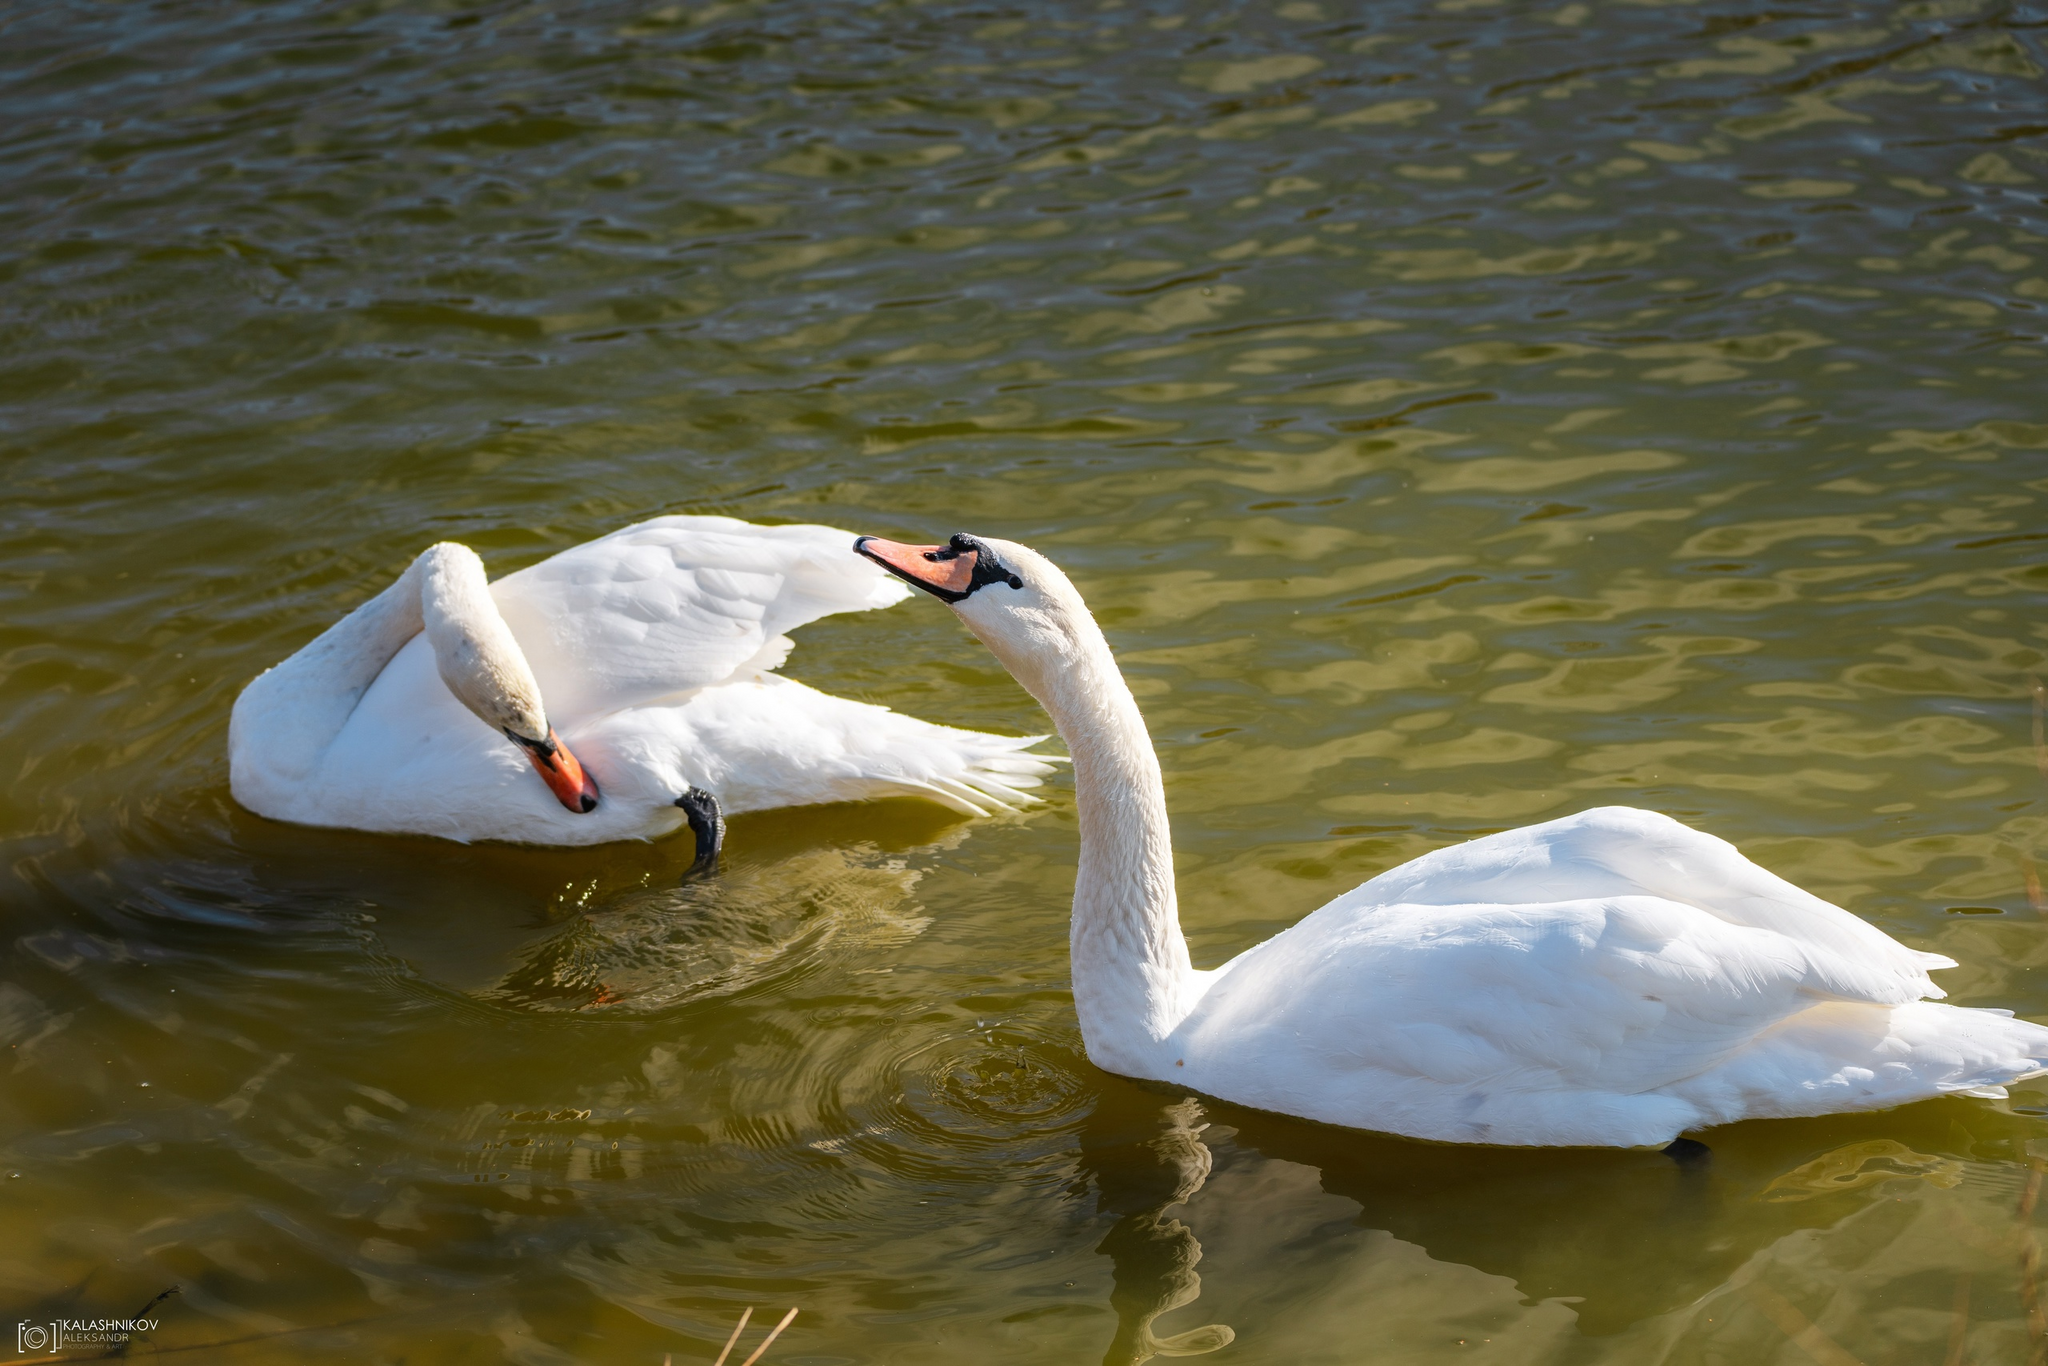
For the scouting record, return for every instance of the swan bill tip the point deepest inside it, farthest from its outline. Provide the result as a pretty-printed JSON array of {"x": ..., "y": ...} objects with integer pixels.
[{"x": 571, "y": 783}]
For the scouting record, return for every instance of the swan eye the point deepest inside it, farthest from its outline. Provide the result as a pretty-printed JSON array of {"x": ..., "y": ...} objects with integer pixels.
[
  {"x": 988, "y": 567},
  {"x": 545, "y": 749}
]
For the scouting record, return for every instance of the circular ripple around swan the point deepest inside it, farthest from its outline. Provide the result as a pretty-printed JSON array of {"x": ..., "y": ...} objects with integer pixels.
[
  {"x": 656, "y": 950},
  {"x": 1006, "y": 1095}
]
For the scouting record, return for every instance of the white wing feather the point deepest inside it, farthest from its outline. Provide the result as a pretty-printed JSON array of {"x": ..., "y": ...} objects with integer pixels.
[
  {"x": 1621, "y": 851},
  {"x": 674, "y": 604}
]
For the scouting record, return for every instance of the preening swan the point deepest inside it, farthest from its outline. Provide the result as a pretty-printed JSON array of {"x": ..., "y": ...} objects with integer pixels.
[
  {"x": 633, "y": 673},
  {"x": 1613, "y": 978}
]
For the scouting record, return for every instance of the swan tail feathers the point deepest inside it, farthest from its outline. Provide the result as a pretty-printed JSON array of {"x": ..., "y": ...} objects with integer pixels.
[
  {"x": 778, "y": 742},
  {"x": 1009, "y": 754},
  {"x": 912, "y": 787},
  {"x": 1005, "y": 775},
  {"x": 973, "y": 768},
  {"x": 1839, "y": 1055},
  {"x": 971, "y": 793},
  {"x": 1003, "y": 794},
  {"x": 969, "y": 772}
]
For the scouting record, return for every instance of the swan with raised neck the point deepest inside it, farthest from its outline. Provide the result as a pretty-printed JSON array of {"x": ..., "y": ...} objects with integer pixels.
[
  {"x": 1613, "y": 978},
  {"x": 1133, "y": 980}
]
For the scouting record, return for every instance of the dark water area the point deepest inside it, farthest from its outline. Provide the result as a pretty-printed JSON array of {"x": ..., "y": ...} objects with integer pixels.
[{"x": 1458, "y": 414}]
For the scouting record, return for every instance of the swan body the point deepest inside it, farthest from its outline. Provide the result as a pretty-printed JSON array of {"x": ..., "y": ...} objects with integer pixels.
[
  {"x": 1613, "y": 978},
  {"x": 647, "y": 655}
]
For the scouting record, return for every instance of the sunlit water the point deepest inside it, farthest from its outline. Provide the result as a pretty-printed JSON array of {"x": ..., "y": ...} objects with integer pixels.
[{"x": 1459, "y": 415}]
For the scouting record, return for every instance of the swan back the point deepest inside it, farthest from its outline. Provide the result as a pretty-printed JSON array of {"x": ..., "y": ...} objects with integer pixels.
[
  {"x": 675, "y": 604},
  {"x": 1621, "y": 851}
]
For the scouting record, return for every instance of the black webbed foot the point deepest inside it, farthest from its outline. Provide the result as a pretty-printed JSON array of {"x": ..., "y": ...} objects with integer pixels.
[
  {"x": 707, "y": 823},
  {"x": 1689, "y": 1153}
]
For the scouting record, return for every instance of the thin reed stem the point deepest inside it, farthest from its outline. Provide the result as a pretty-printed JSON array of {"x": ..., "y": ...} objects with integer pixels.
[
  {"x": 773, "y": 1334},
  {"x": 2040, "y": 691},
  {"x": 2030, "y": 1267},
  {"x": 1959, "y": 1326},
  {"x": 737, "y": 1329},
  {"x": 1804, "y": 1332}
]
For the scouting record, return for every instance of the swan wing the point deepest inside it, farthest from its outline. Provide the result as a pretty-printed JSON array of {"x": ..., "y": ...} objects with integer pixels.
[
  {"x": 674, "y": 604},
  {"x": 767, "y": 741},
  {"x": 1621, "y": 851},
  {"x": 1532, "y": 1022}
]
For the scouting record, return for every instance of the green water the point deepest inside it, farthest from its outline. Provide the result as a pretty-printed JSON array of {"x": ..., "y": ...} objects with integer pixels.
[{"x": 1458, "y": 414}]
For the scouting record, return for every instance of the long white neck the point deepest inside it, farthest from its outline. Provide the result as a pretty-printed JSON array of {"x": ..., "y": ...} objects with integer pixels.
[
  {"x": 1131, "y": 971},
  {"x": 284, "y": 722}
]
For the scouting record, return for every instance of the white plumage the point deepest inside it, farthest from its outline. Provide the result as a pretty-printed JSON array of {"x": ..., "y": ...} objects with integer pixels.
[
  {"x": 1612, "y": 978},
  {"x": 653, "y": 650}
]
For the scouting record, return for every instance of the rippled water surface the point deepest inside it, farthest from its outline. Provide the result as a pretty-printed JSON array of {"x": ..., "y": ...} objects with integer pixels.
[{"x": 1459, "y": 414}]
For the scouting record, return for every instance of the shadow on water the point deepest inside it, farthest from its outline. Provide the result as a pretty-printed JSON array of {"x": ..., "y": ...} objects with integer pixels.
[{"x": 525, "y": 927}]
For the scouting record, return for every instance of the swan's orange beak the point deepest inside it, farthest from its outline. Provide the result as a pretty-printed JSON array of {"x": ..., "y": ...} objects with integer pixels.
[
  {"x": 565, "y": 777},
  {"x": 937, "y": 569}
]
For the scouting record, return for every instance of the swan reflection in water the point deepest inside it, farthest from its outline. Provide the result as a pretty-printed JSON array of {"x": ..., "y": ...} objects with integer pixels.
[
  {"x": 1627, "y": 1236},
  {"x": 1147, "y": 1160},
  {"x": 812, "y": 891},
  {"x": 1532, "y": 1246},
  {"x": 660, "y": 947}
]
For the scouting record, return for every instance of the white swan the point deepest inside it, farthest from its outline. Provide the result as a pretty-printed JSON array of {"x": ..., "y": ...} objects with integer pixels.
[
  {"x": 422, "y": 711},
  {"x": 1612, "y": 978}
]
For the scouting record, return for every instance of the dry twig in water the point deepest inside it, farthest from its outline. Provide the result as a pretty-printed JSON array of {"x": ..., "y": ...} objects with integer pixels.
[
  {"x": 2030, "y": 1266},
  {"x": 1804, "y": 1332},
  {"x": 1959, "y": 1328},
  {"x": 2040, "y": 691},
  {"x": 737, "y": 1329},
  {"x": 740, "y": 1327},
  {"x": 773, "y": 1334}
]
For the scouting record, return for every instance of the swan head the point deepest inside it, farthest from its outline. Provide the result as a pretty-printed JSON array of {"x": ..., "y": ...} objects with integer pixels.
[
  {"x": 482, "y": 665},
  {"x": 1014, "y": 599}
]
